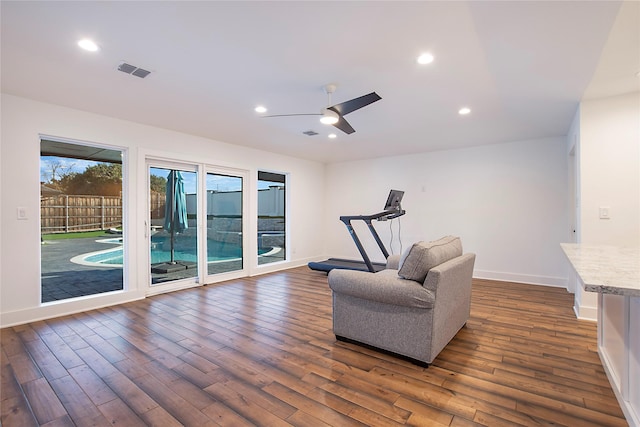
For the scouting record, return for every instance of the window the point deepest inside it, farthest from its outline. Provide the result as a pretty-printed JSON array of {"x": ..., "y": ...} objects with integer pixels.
[
  {"x": 271, "y": 217},
  {"x": 81, "y": 213}
]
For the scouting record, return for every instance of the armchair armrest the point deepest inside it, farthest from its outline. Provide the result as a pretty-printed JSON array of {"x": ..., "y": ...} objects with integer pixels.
[
  {"x": 393, "y": 262},
  {"x": 451, "y": 284}
]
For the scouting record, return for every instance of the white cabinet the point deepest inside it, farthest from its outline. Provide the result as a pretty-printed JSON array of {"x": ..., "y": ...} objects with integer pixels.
[
  {"x": 634, "y": 362},
  {"x": 614, "y": 273}
]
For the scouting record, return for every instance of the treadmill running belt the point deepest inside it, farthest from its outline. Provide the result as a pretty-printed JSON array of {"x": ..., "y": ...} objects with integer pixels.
[{"x": 346, "y": 264}]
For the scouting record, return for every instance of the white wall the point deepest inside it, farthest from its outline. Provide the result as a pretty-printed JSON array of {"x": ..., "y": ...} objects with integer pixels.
[
  {"x": 507, "y": 202},
  {"x": 606, "y": 137},
  {"x": 23, "y": 121},
  {"x": 610, "y": 170}
]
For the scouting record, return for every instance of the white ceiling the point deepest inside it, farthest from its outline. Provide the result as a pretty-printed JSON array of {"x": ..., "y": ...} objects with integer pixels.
[{"x": 521, "y": 66}]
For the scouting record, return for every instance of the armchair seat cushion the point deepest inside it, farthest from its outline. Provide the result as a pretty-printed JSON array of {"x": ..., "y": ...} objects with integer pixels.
[{"x": 384, "y": 286}]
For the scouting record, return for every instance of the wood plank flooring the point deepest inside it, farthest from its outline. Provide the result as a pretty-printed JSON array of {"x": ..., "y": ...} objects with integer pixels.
[{"x": 260, "y": 351}]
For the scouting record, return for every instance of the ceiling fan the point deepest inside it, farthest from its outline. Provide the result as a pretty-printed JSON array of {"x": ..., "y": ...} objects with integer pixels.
[{"x": 334, "y": 114}]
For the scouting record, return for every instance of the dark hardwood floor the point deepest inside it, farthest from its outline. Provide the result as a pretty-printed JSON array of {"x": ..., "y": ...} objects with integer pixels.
[{"x": 260, "y": 351}]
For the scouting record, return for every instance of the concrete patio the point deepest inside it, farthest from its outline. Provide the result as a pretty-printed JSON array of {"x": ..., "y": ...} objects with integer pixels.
[{"x": 63, "y": 279}]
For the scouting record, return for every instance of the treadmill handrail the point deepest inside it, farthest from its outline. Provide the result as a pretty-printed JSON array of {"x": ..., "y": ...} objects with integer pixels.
[{"x": 380, "y": 216}]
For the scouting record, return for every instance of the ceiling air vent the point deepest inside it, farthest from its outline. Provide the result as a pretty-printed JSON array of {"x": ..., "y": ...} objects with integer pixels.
[
  {"x": 133, "y": 70},
  {"x": 310, "y": 133}
]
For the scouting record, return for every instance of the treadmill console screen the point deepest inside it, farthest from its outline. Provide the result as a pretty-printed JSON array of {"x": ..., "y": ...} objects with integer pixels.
[{"x": 393, "y": 201}]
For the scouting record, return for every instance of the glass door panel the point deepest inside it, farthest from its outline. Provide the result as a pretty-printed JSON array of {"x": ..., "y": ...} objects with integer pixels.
[
  {"x": 271, "y": 217},
  {"x": 173, "y": 196},
  {"x": 224, "y": 223}
]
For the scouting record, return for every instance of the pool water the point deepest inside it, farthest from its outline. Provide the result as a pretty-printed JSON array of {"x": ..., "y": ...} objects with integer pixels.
[{"x": 160, "y": 252}]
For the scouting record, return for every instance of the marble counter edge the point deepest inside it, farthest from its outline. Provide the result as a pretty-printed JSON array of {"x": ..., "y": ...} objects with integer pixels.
[{"x": 599, "y": 268}]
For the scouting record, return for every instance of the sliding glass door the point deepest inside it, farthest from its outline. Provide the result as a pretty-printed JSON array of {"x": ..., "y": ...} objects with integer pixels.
[{"x": 196, "y": 224}]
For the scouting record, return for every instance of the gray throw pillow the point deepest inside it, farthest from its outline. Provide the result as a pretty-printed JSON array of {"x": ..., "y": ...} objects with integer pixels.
[{"x": 422, "y": 256}]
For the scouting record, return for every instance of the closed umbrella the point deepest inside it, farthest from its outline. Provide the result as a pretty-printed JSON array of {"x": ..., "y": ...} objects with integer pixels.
[{"x": 175, "y": 214}]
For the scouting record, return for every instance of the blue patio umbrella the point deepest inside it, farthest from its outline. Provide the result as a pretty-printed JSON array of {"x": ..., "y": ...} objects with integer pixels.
[{"x": 175, "y": 213}]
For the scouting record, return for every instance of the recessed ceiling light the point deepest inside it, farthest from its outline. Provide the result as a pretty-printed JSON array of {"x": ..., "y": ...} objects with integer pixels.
[
  {"x": 464, "y": 111},
  {"x": 89, "y": 45},
  {"x": 333, "y": 135},
  {"x": 260, "y": 109},
  {"x": 425, "y": 58}
]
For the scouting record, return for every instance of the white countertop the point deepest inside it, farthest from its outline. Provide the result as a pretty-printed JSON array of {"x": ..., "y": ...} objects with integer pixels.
[{"x": 606, "y": 269}]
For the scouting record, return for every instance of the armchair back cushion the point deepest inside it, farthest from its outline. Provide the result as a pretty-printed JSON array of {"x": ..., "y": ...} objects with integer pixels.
[{"x": 422, "y": 256}]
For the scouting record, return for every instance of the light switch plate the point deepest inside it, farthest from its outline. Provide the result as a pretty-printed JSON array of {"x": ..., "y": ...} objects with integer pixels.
[
  {"x": 22, "y": 212},
  {"x": 605, "y": 212}
]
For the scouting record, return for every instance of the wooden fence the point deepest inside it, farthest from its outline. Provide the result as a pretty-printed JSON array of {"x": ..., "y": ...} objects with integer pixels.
[
  {"x": 63, "y": 214},
  {"x": 156, "y": 204}
]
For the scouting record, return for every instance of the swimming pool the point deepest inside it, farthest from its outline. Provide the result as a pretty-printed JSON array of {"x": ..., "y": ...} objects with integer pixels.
[{"x": 216, "y": 252}]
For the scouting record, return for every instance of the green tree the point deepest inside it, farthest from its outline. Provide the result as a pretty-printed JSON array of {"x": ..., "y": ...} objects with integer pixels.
[
  {"x": 104, "y": 179},
  {"x": 157, "y": 183}
]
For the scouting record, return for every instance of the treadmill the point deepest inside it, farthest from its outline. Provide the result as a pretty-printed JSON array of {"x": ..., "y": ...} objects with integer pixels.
[{"x": 391, "y": 210}]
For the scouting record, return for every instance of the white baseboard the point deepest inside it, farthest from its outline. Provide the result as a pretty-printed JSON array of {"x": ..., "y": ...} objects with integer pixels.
[
  {"x": 558, "y": 282},
  {"x": 67, "y": 307},
  {"x": 281, "y": 265},
  {"x": 586, "y": 312},
  {"x": 70, "y": 307}
]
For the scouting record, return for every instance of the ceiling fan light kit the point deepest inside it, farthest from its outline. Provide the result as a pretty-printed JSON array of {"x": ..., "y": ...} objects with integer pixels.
[{"x": 329, "y": 117}]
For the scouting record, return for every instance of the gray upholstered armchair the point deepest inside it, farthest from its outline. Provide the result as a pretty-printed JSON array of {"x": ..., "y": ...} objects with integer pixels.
[{"x": 413, "y": 308}]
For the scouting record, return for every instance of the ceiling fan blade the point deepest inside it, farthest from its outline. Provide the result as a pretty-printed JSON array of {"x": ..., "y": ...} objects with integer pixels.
[
  {"x": 287, "y": 115},
  {"x": 344, "y": 126},
  {"x": 356, "y": 103}
]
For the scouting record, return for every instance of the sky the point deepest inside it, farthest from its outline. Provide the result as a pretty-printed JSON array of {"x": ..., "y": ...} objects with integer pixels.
[
  {"x": 66, "y": 166},
  {"x": 214, "y": 182}
]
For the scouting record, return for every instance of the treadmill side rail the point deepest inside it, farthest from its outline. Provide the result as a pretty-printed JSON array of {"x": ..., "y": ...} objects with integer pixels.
[{"x": 356, "y": 240}]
